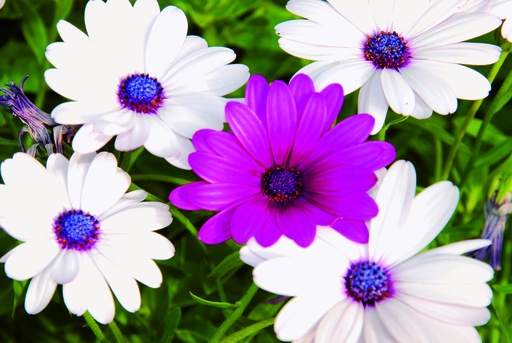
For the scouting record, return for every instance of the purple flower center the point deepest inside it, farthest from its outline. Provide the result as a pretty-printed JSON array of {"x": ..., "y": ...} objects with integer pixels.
[
  {"x": 76, "y": 230},
  {"x": 368, "y": 283},
  {"x": 387, "y": 50},
  {"x": 141, "y": 93},
  {"x": 282, "y": 183}
]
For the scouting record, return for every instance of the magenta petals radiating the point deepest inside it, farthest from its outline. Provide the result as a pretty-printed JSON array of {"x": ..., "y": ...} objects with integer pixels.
[{"x": 284, "y": 168}]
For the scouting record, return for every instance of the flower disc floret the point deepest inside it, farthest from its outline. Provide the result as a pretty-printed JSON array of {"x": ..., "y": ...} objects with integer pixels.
[
  {"x": 368, "y": 283},
  {"x": 76, "y": 230},
  {"x": 387, "y": 50},
  {"x": 141, "y": 94},
  {"x": 282, "y": 183}
]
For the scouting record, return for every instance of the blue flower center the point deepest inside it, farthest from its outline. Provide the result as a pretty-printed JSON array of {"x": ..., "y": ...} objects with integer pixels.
[
  {"x": 141, "y": 93},
  {"x": 76, "y": 230},
  {"x": 282, "y": 183},
  {"x": 387, "y": 50},
  {"x": 368, "y": 283}
]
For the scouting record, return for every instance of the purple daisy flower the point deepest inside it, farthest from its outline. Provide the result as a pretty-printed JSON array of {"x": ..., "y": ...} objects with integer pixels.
[{"x": 284, "y": 170}]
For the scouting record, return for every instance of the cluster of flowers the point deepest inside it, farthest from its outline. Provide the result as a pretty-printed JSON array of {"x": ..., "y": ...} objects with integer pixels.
[{"x": 321, "y": 218}]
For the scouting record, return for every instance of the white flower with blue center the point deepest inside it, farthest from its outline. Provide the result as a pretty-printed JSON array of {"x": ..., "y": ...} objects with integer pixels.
[
  {"x": 138, "y": 76},
  {"x": 406, "y": 55},
  {"x": 383, "y": 291},
  {"x": 81, "y": 229}
]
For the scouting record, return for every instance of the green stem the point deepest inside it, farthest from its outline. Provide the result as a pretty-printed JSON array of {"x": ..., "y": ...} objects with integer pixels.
[
  {"x": 246, "y": 332},
  {"x": 95, "y": 328},
  {"x": 117, "y": 333},
  {"x": 242, "y": 304},
  {"x": 439, "y": 159},
  {"x": 471, "y": 115}
]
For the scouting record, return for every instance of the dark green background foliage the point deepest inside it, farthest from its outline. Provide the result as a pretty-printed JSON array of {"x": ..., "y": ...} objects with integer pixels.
[{"x": 214, "y": 274}]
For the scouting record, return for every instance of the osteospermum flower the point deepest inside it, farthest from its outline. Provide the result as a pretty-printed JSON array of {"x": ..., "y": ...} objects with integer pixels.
[
  {"x": 383, "y": 291},
  {"x": 138, "y": 76},
  {"x": 81, "y": 230},
  {"x": 283, "y": 171},
  {"x": 406, "y": 55}
]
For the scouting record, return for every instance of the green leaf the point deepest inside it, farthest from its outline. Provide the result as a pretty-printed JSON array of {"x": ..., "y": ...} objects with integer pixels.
[
  {"x": 231, "y": 262},
  {"x": 33, "y": 29},
  {"x": 495, "y": 154},
  {"x": 505, "y": 289},
  {"x": 169, "y": 325},
  {"x": 212, "y": 303}
]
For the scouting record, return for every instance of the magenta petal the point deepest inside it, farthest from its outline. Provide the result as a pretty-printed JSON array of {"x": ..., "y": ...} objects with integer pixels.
[
  {"x": 355, "y": 207},
  {"x": 371, "y": 155},
  {"x": 333, "y": 97},
  {"x": 309, "y": 129},
  {"x": 297, "y": 224},
  {"x": 248, "y": 218},
  {"x": 302, "y": 88},
  {"x": 354, "y": 230},
  {"x": 256, "y": 93},
  {"x": 281, "y": 120},
  {"x": 213, "y": 168},
  {"x": 269, "y": 233},
  {"x": 340, "y": 181},
  {"x": 216, "y": 229},
  {"x": 179, "y": 197},
  {"x": 249, "y": 131},
  {"x": 200, "y": 143},
  {"x": 226, "y": 145},
  {"x": 219, "y": 196}
]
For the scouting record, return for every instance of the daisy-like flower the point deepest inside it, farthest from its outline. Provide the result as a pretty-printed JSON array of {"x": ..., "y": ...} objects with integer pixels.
[
  {"x": 406, "y": 55},
  {"x": 382, "y": 291},
  {"x": 81, "y": 230},
  {"x": 138, "y": 76},
  {"x": 283, "y": 171}
]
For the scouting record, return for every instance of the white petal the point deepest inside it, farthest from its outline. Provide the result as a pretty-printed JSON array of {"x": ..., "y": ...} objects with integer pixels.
[
  {"x": 465, "y": 82},
  {"x": 407, "y": 13},
  {"x": 359, "y": 13},
  {"x": 253, "y": 253},
  {"x": 180, "y": 160},
  {"x": 186, "y": 121},
  {"x": 162, "y": 140},
  {"x": 127, "y": 200},
  {"x": 318, "y": 52},
  {"x": 430, "y": 212},
  {"x": 57, "y": 165},
  {"x": 398, "y": 93},
  {"x": 382, "y": 11},
  {"x": 165, "y": 40},
  {"x": 77, "y": 112},
  {"x": 430, "y": 87},
  {"x": 134, "y": 138},
  {"x": 448, "y": 313},
  {"x": 459, "y": 248},
  {"x": 349, "y": 74},
  {"x": 421, "y": 109},
  {"x": 223, "y": 80},
  {"x": 86, "y": 140},
  {"x": 373, "y": 328},
  {"x": 100, "y": 302},
  {"x": 300, "y": 315},
  {"x": 149, "y": 244},
  {"x": 475, "y": 295},
  {"x": 344, "y": 321},
  {"x": 394, "y": 199},
  {"x": 371, "y": 100},
  {"x": 29, "y": 259},
  {"x": 447, "y": 333},
  {"x": 402, "y": 322},
  {"x": 463, "y": 53},
  {"x": 40, "y": 292},
  {"x": 457, "y": 29},
  {"x": 104, "y": 184},
  {"x": 65, "y": 266},
  {"x": 138, "y": 218},
  {"x": 442, "y": 269},
  {"x": 130, "y": 261},
  {"x": 77, "y": 170},
  {"x": 125, "y": 288}
]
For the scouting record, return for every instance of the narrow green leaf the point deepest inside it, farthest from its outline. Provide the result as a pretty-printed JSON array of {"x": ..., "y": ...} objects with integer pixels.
[
  {"x": 494, "y": 155},
  {"x": 33, "y": 30},
  {"x": 231, "y": 262},
  {"x": 506, "y": 289},
  {"x": 169, "y": 325},
  {"x": 212, "y": 303}
]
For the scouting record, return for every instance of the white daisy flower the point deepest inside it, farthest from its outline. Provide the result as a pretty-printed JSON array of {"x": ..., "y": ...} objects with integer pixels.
[
  {"x": 403, "y": 54},
  {"x": 81, "y": 230},
  {"x": 383, "y": 291},
  {"x": 138, "y": 76}
]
